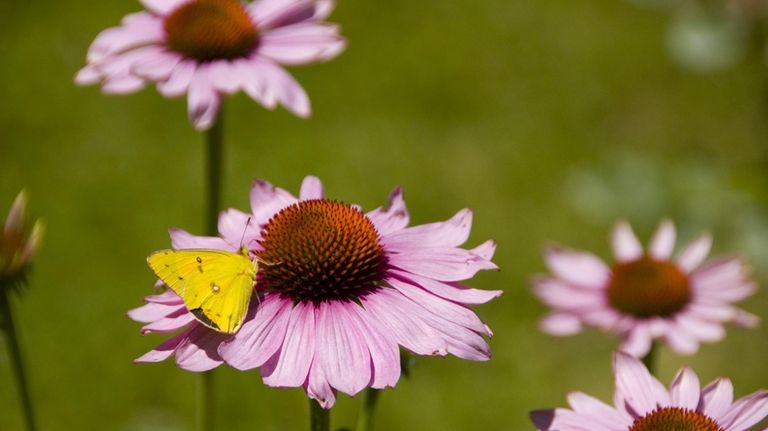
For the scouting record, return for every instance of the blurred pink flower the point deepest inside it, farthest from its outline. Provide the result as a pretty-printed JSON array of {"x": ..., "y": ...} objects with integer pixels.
[
  {"x": 348, "y": 288},
  {"x": 642, "y": 403},
  {"x": 207, "y": 48},
  {"x": 646, "y": 295}
]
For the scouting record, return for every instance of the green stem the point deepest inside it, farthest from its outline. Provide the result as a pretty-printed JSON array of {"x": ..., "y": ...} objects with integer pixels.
[
  {"x": 206, "y": 405},
  {"x": 16, "y": 361},
  {"x": 650, "y": 358},
  {"x": 319, "y": 418},
  {"x": 206, "y": 398},
  {"x": 365, "y": 419},
  {"x": 214, "y": 140}
]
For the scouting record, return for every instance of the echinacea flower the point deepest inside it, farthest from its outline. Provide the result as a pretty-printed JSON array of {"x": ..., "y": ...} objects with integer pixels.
[
  {"x": 209, "y": 48},
  {"x": 642, "y": 403},
  {"x": 646, "y": 295},
  {"x": 344, "y": 291},
  {"x": 17, "y": 246}
]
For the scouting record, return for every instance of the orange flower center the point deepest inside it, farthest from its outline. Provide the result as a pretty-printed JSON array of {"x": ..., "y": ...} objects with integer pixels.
[
  {"x": 209, "y": 30},
  {"x": 647, "y": 287},
  {"x": 675, "y": 419},
  {"x": 320, "y": 250}
]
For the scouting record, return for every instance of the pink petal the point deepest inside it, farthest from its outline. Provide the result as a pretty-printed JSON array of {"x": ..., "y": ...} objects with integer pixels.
[
  {"x": 450, "y": 233},
  {"x": 433, "y": 304},
  {"x": 597, "y": 412},
  {"x": 88, "y": 75},
  {"x": 461, "y": 342},
  {"x": 451, "y": 291},
  {"x": 685, "y": 390},
  {"x": 238, "y": 228},
  {"x": 702, "y": 329},
  {"x": 564, "y": 419},
  {"x": 267, "y": 200},
  {"x": 168, "y": 324},
  {"x": 389, "y": 309},
  {"x": 261, "y": 336},
  {"x": 637, "y": 342},
  {"x": 393, "y": 217},
  {"x": 385, "y": 354},
  {"x": 167, "y": 297},
  {"x": 485, "y": 250},
  {"x": 746, "y": 412},
  {"x": 162, "y": 7},
  {"x": 559, "y": 294},
  {"x": 560, "y": 324},
  {"x": 254, "y": 83},
  {"x": 179, "y": 80},
  {"x": 283, "y": 87},
  {"x": 156, "y": 65},
  {"x": 202, "y": 99},
  {"x": 164, "y": 350},
  {"x": 681, "y": 341},
  {"x": 122, "y": 84},
  {"x": 716, "y": 398},
  {"x": 694, "y": 254},
  {"x": 636, "y": 386},
  {"x": 580, "y": 268},
  {"x": 198, "y": 352},
  {"x": 277, "y": 13},
  {"x": 224, "y": 77},
  {"x": 441, "y": 263},
  {"x": 152, "y": 311},
  {"x": 181, "y": 239},
  {"x": 341, "y": 350},
  {"x": 302, "y": 44},
  {"x": 663, "y": 241},
  {"x": 311, "y": 188},
  {"x": 297, "y": 351},
  {"x": 141, "y": 30},
  {"x": 318, "y": 388},
  {"x": 626, "y": 246}
]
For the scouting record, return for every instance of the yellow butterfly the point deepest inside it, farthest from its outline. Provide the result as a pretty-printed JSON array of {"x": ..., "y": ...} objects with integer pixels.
[{"x": 216, "y": 285}]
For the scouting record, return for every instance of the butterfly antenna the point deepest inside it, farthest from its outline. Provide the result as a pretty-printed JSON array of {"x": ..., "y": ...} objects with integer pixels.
[{"x": 245, "y": 229}]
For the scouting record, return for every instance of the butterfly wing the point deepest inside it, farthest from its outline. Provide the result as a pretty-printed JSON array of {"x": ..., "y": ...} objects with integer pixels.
[{"x": 216, "y": 285}]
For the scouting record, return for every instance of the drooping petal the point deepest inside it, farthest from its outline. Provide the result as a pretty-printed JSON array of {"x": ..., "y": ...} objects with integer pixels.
[
  {"x": 441, "y": 263},
  {"x": 152, "y": 311},
  {"x": 261, "y": 336},
  {"x": 385, "y": 354},
  {"x": 141, "y": 30},
  {"x": 283, "y": 87},
  {"x": 163, "y": 351},
  {"x": 318, "y": 388},
  {"x": 451, "y": 291},
  {"x": 626, "y": 246},
  {"x": 198, "y": 352},
  {"x": 179, "y": 79},
  {"x": 389, "y": 310},
  {"x": 296, "y": 354},
  {"x": 341, "y": 351},
  {"x": 302, "y": 44},
  {"x": 203, "y": 99},
  {"x": 746, "y": 412},
  {"x": 597, "y": 412}
]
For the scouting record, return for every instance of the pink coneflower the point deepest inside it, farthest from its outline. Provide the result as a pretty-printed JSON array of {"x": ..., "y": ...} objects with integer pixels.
[
  {"x": 642, "y": 403},
  {"x": 207, "y": 48},
  {"x": 646, "y": 295},
  {"x": 346, "y": 290}
]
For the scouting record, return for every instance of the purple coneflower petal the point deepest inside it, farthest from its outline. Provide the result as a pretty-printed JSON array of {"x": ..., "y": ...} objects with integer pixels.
[
  {"x": 663, "y": 241},
  {"x": 626, "y": 246},
  {"x": 292, "y": 365},
  {"x": 694, "y": 254}
]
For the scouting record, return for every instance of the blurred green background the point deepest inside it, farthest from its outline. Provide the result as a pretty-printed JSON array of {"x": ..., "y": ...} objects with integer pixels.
[{"x": 550, "y": 118}]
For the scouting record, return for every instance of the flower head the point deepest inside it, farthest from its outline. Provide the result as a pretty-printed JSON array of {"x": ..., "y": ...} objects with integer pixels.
[
  {"x": 16, "y": 247},
  {"x": 209, "y": 48},
  {"x": 340, "y": 291},
  {"x": 646, "y": 295},
  {"x": 642, "y": 403}
]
